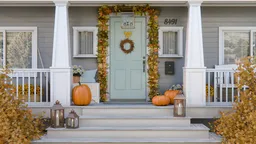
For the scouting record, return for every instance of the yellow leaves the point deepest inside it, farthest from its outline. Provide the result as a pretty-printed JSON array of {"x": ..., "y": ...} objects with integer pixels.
[
  {"x": 239, "y": 125},
  {"x": 18, "y": 125}
]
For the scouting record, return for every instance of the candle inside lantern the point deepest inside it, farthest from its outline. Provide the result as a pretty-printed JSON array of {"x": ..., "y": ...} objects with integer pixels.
[
  {"x": 180, "y": 109},
  {"x": 57, "y": 118},
  {"x": 72, "y": 123}
]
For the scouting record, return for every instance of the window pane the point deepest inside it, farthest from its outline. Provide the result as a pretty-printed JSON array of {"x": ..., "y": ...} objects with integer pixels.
[
  {"x": 236, "y": 46},
  {"x": 86, "y": 42},
  {"x": 170, "y": 42},
  {"x": 19, "y": 49},
  {"x": 1, "y": 50}
]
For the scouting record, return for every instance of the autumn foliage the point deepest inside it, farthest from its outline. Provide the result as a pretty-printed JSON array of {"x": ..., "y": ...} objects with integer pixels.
[
  {"x": 18, "y": 125},
  {"x": 239, "y": 125}
]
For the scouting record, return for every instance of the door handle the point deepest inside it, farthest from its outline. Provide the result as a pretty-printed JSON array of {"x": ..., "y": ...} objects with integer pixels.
[{"x": 144, "y": 64}]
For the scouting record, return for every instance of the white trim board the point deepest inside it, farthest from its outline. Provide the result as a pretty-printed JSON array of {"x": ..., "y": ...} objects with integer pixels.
[
  {"x": 22, "y": 29},
  {"x": 179, "y": 31},
  {"x": 76, "y": 31},
  {"x": 233, "y": 29}
]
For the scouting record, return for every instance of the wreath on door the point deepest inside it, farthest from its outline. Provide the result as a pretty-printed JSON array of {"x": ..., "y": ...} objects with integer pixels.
[{"x": 125, "y": 41}]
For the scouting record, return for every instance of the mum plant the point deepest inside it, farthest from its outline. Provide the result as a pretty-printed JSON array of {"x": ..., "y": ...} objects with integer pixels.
[
  {"x": 239, "y": 125},
  {"x": 78, "y": 70},
  {"x": 18, "y": 125}
]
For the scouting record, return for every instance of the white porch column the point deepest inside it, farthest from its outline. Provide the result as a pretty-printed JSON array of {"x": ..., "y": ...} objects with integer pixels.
[
  {"x": 61, "y": 59},
  {"x": 194, "y": 72}
]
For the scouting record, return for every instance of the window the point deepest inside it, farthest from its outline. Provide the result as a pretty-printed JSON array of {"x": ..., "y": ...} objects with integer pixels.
[
  {"x": 85, "y": 41},
  {"x": 18, "y": 47},
  {"x": 236, "y": 43},
  {"x": 171, "y": 41}
]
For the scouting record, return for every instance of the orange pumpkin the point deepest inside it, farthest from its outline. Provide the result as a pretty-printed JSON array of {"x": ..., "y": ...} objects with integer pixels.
[
  {"x": 160, "y": 100},
  {"x": 171, "y": 94},
  {"x": 81, "y": 95}
]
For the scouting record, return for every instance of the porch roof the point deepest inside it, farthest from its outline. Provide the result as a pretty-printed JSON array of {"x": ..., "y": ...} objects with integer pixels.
[{"x": 151, "y": 2}]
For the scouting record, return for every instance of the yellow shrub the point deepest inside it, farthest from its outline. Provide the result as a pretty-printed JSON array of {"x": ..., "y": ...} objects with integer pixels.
[
  {"x": 23, "y": 94},
  {"x": 211, "y": 90},
  {"x": 239, "y": 125},
  {"x": 18, "y": 125}
]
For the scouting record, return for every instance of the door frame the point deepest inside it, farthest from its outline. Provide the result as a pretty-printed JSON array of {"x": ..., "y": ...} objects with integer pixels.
[{"x": 146, "y": 55}]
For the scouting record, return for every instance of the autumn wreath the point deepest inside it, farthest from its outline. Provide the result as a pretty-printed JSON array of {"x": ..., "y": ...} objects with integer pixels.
[{"x": 123, "y": 42}]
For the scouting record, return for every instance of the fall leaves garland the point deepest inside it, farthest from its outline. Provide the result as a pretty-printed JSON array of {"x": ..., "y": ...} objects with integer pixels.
[{"x": 153, "y": 45}]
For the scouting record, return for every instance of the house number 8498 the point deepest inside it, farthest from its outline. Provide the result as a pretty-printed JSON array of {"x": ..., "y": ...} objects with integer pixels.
[{"x": 170, "y": 21}]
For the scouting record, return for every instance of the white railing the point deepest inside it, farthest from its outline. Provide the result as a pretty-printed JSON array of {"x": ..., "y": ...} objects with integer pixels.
[
  {"x": 32, "y": 85},
  {"x": 221, "y": 88}
]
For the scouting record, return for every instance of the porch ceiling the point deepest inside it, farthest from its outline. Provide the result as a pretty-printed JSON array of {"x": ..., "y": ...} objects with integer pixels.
[{"x": 113, "y": 2}]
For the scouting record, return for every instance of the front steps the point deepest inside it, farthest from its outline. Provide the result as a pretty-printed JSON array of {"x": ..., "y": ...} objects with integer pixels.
[{"x": 130, "y": 124}]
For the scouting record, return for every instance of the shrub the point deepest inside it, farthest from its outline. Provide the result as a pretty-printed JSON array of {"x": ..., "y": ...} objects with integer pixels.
[
  {"x": 18, "y": 125},
  {"x": 239, "y": 125}
]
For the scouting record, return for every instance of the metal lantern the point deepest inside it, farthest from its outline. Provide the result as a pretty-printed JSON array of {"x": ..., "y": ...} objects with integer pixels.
[
  {"x": 72, "y": 120},
  {"x": 179, "y": 106},
  {"x": 57, "y": 115}
]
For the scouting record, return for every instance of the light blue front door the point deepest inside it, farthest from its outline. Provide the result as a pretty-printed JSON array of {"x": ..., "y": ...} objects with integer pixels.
[{"x": 127, "y": 75}]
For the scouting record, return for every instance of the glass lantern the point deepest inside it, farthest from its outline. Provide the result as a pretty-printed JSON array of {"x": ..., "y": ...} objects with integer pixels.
[
  {"x": 179, "y": 106},
  {"x": 72, "y": 120},
  {"x": 57, "y": 115}
]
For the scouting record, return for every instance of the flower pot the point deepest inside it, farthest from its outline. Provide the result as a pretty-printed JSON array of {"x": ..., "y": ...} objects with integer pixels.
[{"x": 76, "y": 79}]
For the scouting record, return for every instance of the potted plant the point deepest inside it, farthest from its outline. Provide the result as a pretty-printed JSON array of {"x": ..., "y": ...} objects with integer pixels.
[{"x": 77, "y": 73}]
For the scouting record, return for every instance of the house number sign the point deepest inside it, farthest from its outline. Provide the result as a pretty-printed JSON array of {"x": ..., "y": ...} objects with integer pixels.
[{"x": 170, "y": 21}]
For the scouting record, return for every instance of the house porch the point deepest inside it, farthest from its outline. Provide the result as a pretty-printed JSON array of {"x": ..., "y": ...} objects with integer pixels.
[{"x": 55, "y": 42}]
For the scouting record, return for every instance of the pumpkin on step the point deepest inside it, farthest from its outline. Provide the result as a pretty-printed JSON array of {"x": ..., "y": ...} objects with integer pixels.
[
  {"x": 171, "y": 94},
  {"x": 81, "y": 95},
  {"x": 160, "y": 100}
]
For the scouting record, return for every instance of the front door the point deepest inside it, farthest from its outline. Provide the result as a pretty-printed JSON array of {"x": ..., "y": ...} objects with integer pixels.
[{"x": 127, "y": 71}]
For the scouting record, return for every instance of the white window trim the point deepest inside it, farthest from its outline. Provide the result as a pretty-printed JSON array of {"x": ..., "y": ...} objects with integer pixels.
[
  {"x": 21, "y": 29},
  {"x": 221, "y": 41},
  {"x": 76, "y": 31},
  {"x": 180, "y": 41}
]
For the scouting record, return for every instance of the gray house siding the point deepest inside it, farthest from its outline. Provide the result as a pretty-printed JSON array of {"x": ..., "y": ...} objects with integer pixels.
[
  {"x": 179, "y": 13},
  {"x": 40, "y": 17},
  {"x": 215, "y": 17}
]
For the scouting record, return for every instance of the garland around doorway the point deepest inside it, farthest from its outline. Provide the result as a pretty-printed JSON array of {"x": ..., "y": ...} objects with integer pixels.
[{"x": 153, "y": 45}]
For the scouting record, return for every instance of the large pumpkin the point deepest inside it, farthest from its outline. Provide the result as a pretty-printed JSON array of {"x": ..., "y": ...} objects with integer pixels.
[
  {"x": 171, "y": 95},
  {"x": 81, "y": 95},
  {"x": 160, "y": 100}
]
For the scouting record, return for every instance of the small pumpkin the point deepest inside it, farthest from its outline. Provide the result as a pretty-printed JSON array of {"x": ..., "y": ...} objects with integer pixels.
[
  {"x": 160, "y": 100},
  {"x": 171, "y": 94},
  {"x": 81, "y": 95}
]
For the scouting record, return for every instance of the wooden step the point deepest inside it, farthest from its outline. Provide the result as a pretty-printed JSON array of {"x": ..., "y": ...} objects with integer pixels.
[
  {"x": 133, "y": 121},
  {"x": 213, "y": 139},
  {"x": 193, "y": 131},
  {"x": 127, "y": 110}
]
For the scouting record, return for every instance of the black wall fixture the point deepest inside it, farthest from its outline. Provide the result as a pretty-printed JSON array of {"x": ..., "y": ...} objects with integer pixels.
[{"x": 169, "y": 68}]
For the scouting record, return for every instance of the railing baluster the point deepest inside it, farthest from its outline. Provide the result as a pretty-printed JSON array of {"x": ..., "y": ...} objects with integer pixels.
[
  {"x": 227, "y": 84},
  {"x": 23, "y": 82},
  {"x": 221, "y": 81},
  {"x": 35, "y": 100},
  {"x": 238, "y": 90},
  {"x": 17, "y": 84},
  {"x": 46, "y": 89},
  {"x": 209, "y": 90},
  {"x": 215, "y": 86},
  {"x": 232, "y": 83},
  {"x": 41, "y": 87},
  {"x": 28, "y": 86}
]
